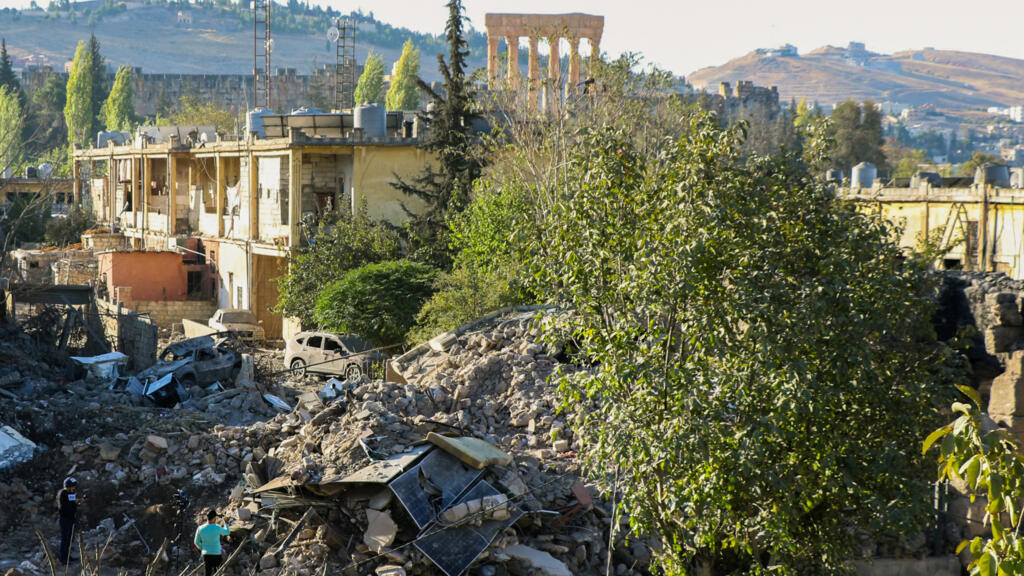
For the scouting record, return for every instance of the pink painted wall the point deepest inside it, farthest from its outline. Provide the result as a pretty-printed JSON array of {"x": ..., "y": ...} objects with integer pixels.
[{"x": 151, "y": 275}]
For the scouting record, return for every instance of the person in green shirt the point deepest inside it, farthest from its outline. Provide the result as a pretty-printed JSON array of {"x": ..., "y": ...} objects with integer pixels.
[{"x": 208, "y": 540}]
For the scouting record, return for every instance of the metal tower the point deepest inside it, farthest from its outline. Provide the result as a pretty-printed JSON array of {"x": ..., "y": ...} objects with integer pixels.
[
  {"x": 262, "y": 46},
  {"x": 345, "y": 64}
]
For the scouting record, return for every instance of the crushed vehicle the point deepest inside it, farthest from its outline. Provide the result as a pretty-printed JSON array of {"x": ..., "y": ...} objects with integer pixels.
[
  {"x": 330, "y": 354},
  {"x": 197, "y": 361},
  {"x": 238, "y": 321}
]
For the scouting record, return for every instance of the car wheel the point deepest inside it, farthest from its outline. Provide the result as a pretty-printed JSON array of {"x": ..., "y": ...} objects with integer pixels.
[
  {"x": 353, "y": 372},
  {"x": 298, "y": 367},
  {"x": 188, "y": 381}
]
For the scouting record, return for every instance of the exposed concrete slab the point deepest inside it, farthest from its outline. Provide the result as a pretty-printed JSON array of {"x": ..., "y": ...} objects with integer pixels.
[{"x": 473, "y": 452}]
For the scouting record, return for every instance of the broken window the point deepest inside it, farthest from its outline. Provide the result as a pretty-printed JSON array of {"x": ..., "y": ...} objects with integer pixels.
[
  {"x": 333, "y": 345},
  {"x": 315, "y": 342}
]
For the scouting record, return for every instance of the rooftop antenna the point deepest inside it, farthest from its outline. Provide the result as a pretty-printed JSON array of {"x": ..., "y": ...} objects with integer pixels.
[
  {"x": 263, "y": 44},
  {"x": 343, "y": 35}
]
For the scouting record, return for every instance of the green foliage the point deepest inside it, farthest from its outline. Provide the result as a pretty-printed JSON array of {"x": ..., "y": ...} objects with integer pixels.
[
  {"x": 446, "y": 187},
  {"x": 26, "y": 219},
  {"x": 464, "y": 294},
  {"x": 119, "y": 110},
  {"x": 8, "y": 79},
  {"x": 404, "y": 93},
  {"x": 69, "y": 229},
  {"x": 978, "y": 159},
  {"x": 370, "y": 88},
  {"x": 762, "y": 357},
  {"x": 337, "y": 246},
  {"x": 11, "y": 146},
  {"x": 857, "y": 129},
  {"x": 193, "y": 112},
  {"x": 98, "y": 71},
  {"x": 78, "y": 112},
  {"x": 377, "y": 302},
  {"x": 906, "y": 161},
  {"x": 46, "y": 128},
  {"x": 989, "y": 461}
]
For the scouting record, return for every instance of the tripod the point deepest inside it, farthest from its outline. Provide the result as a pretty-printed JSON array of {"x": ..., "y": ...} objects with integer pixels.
[{"x": 181, "y": 503}]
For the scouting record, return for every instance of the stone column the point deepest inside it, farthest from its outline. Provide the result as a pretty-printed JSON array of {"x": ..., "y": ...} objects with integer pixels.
[
  {"x": 553, "y": 87},
  {"x": 513, "y": 59},
  {"x": 595, "y": 48},
  {"x": 574, "y": 63},
  {"x": 492, "y": 61},
  {"x": 533, "y": 72}
]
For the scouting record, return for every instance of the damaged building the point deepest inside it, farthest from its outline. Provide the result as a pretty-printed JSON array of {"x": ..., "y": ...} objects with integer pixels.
[{"x": 235, "y": 210}]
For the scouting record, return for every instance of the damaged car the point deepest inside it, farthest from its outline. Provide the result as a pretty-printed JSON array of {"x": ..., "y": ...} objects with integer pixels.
[
  {"x": 197, "y": 361},
  {"x": 330, "y": 354}
]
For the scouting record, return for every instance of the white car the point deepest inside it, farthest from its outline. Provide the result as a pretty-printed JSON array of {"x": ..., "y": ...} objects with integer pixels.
[
  {"x": 331, "y": 354},
  {"x": 241, "y": 322}
]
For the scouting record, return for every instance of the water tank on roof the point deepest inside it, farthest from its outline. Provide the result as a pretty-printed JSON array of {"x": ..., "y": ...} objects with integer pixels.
[
  {"x": 835, "y": 176},
  {"x": 305, "y": 111},
  {"x": 45, "y": 170},
  {"x": 863, "y": 175},
  {"x": 994, "y": 175},
  {"x": 31, "y": 172},
  {"x": 1017, "y": 178},
  {"x": 372, "y": 118},
  {"x": 254, "y": 121},
  {"x": 932, "y": 178}
]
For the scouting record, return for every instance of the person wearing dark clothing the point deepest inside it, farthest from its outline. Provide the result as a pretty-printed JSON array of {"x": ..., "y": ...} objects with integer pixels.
[{"x": 67, "y": 508}]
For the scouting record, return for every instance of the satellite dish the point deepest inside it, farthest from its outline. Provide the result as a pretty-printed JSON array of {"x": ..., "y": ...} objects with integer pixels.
[{"x": 332, "y": 34}]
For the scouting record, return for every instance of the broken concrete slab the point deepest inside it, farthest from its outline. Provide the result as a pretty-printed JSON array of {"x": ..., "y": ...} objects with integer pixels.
[
  {"x": 384, "y": 471},
  {"x": 380, "y": 531},
  {"x": 390, "y": 570},
  {"x": 103, "y": 366},
  {"x": 538, "y": 560},
  {"x": 14, "y": 448},
  {"x": 156, "y": 443},
  {"x": 474, "y": 452}
]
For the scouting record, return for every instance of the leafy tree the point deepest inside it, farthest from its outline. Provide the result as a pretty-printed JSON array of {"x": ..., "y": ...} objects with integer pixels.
[
  {"x": 8, "y": 79},
  {"x": 404, "y": 93},
  {"x": 119, "y": 110},
  {"x": 337, "y": 246},
  {"x": 987, "y": 459},
  {"x": 78, "y": 111},
  {"x": 743, "y": 329},
  {"x": 193, "y": 112},
  {"x": 906, "y": 161},
  {"x": 447, "y": 186},
  {"x": 68, "y": 230},
  {"x": 377, "y": 302},
  {"x": 978, "y": 159},
  {"x": 46, "y": 128},
  {"x": 857, "y": 130},
  {"x": 11, "y": 146},
  {"x": 98, "y": 71},
  {"x": 370, "y": 88}
]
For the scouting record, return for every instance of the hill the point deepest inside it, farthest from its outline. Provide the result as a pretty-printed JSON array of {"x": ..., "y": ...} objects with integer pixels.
[
  {"x": 206, "y": 38},
  {"x": 944, "y": 78}
]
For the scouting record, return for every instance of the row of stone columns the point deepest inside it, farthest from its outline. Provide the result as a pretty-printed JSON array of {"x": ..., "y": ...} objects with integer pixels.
[{"x": 533, "y": 71}]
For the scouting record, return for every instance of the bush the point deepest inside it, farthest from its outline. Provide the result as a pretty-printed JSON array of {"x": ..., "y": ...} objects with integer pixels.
[
  {"x": 68, "y": 230},
  {"x": 377, "y": 302}
]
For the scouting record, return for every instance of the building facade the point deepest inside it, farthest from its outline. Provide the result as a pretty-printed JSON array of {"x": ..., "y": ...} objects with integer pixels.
[{"x": 239, "y": 208}]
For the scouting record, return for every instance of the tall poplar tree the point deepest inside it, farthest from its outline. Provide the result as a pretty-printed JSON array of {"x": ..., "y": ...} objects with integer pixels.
[
  {"x": 8, "y": 78},
  {"x": 370, "y": 88},
  {"x": 119, "y": 109},
  {"x": 78, "y": 111},
  {"x": 98, "y": 71},
  {"x": 10, "y": 128},
  {"x": 404, "y": 94}
]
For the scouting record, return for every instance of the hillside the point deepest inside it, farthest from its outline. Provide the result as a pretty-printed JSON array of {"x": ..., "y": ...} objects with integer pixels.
[
  {"x": 216, "y": 41},
  {"x": 947, "y": 79}
]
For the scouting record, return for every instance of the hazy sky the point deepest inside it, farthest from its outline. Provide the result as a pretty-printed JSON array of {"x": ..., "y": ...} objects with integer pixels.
[{"x": 685, "y": 35}]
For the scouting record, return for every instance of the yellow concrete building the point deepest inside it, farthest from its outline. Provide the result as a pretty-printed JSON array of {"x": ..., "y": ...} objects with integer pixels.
[
  {"x": 247, "y": 204},
  {"x": 984, "y": 221}
]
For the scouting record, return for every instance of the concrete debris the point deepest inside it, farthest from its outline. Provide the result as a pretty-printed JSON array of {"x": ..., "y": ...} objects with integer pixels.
[
  {"x": 14, "y": 448},
  {"x": 104, "y": 366},
  {"x": 474, "y": 452},
  {"x": 381, "y": 530},
  {"x": 539, "y": 561}
]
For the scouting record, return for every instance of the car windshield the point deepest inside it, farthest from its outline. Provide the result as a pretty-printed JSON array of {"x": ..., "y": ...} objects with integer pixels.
[
  {"x": 355, "y": 344},
  {"x": 239, "y": 317}
]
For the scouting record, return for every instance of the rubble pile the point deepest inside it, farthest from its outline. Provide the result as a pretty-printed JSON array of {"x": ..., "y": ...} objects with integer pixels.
[{"x": 462, "y": 464}]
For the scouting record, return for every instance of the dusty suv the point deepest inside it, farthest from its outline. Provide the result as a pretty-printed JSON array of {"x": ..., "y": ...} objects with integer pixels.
[
  {"x": 241, "y": 322},
  {"x": 332, "y": 354}
]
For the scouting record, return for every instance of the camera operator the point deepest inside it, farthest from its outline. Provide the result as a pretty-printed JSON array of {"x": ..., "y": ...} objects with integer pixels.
[{"x": 67, "y": 513}]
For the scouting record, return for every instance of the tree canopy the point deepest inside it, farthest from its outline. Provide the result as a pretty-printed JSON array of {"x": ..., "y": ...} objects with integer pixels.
[
  {"x": 370, "y": 88},
  {"x": 78, "y": 110},
  {"x": 11, "y": 119},
  {"x": 404, "y": 92},
  {"x": 857, "y": 130},
  {"x": 119, "y": 109}
]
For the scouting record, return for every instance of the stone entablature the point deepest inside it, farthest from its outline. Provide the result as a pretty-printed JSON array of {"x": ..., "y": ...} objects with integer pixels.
[{"x": 552, "y": 27}]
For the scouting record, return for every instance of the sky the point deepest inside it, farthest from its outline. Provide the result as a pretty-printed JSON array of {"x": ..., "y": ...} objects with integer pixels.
[{"x": 683, "y": 35}]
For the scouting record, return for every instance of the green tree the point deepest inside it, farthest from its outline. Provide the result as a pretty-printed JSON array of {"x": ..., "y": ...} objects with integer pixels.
[
  {"x": 857, "y": 130},
  {"x": 8, "y": 79},
  {"x": 978, "y": 159},
  {"x": 119, "y": 110},
  {"x": 68, "y": 230},
  {"x": 988, "y": 460},
  {"x": 193, "y": 112},
  {"x": 337, "y": 246},
  {"x": 11, "y": 145},
  {"x": 78, "y": 111},
  {"x": 447, "y": 186},
  {"x": 377, "y": 302},
  {"x": 743, "y": 329},
  {"x": 98, "y": 71},
  {"x": 404, "y": 93},
  {"x": 370, "y": 88},
  {"x": 46, "y": 128}
]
